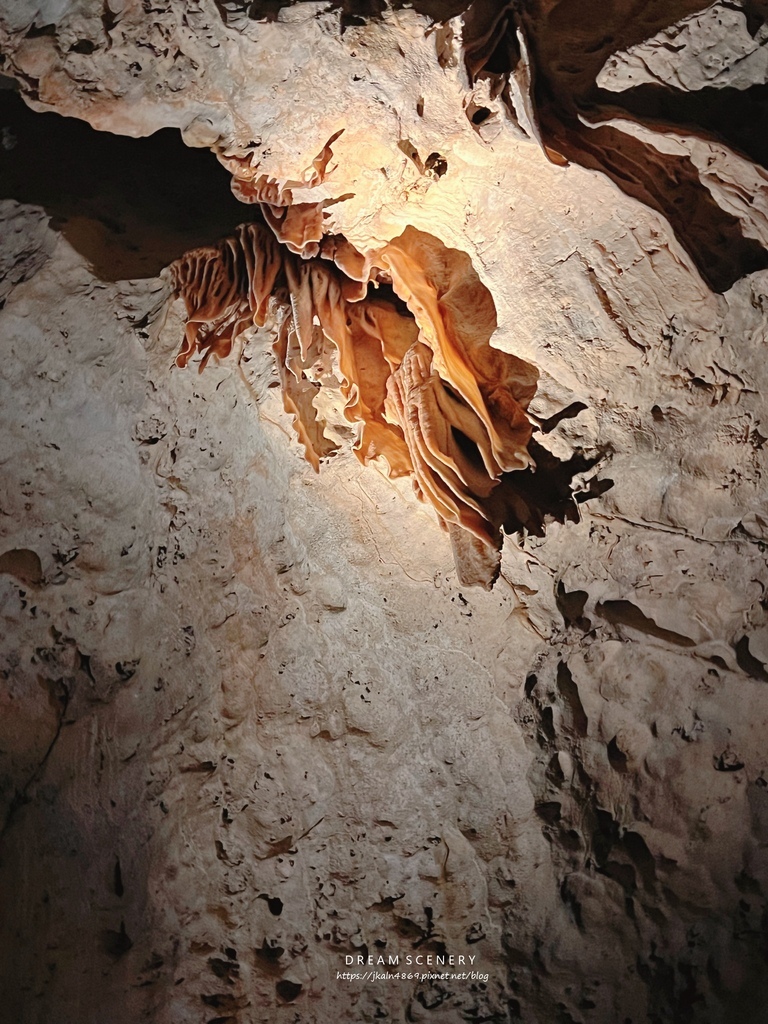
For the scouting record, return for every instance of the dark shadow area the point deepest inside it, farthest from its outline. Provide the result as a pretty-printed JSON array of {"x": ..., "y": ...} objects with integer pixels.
[
  {"x": 351, "y": 12},
  {"x": 747, "y": 662},
  {"x": 526, "y": 500},
  {"x": 490, "y": 44},
  {"x": 570, "y": 604},
  {"x": 737, "y": 117},
  {"x": 567, "y": 48},
  {"x": 573, "y": 40},
  {"x": 129, "y": 206},
  {"x": 671, "y": 185},
  {"x": 625, "y": 613}
]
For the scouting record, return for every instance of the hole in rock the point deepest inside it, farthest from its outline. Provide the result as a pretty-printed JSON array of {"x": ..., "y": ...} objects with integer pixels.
[
  {"x": 549, "y": 812},
  {"x": 555, "y": 773},
  {"x": 288, "y": 990},
  {"x": 437, "y": 164},
  {"x": 605, "y": 835},
  {"x": 117, "y": 879},
  {"x": 22, "y": 563},
  {"x": 224, "y": 969},
  {"x": 269, "y": 951},
  {"x": 574, "y": 717},
  {"x": 113, "y": 197},
  {"x": 616, "y": 757},
  {"x": 480, "y": 115},
  {"x": 85, "y": 46},
  {"x": 547, "y": 723},
  {"x": 274, "y": 903},
  {"x": 116, "y": 943}
]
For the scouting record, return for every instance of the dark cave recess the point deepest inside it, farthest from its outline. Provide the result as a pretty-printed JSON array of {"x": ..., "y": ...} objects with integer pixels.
[
  {"x": 566, "y": 49},
  {"x": 129, "y": 206}
]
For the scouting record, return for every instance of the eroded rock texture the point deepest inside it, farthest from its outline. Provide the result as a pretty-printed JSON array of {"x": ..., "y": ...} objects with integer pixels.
[{"x": 252, "y": 723}]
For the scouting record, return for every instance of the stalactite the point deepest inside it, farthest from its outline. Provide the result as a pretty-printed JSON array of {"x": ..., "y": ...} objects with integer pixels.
[{"x": 431, "y": 398}]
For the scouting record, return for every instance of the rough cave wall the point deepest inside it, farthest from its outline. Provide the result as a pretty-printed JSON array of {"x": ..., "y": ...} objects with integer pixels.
[{"x": 250, "y": 723}]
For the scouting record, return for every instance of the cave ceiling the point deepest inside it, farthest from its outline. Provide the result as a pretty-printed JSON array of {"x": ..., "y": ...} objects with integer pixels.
[
  {"x": 429, "y": 94},
  {"x": 431, "y": 614}
]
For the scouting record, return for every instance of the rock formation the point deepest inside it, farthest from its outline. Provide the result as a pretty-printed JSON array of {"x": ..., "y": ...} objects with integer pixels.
[
  {"x": 435, "y": 400},
  {"x": 255, "y": 722}
]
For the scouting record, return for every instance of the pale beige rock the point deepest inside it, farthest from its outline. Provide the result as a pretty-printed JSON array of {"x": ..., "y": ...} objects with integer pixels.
[
  {"x": 252, "y": 724},
  {"x": 711, "y": 48}
]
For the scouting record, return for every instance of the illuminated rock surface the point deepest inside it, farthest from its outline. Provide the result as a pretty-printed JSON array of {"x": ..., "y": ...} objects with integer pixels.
[{"x": 251, "y": 722}]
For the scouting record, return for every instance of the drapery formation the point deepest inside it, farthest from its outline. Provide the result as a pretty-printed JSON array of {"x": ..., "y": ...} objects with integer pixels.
[{"x": 431, "y": 398}]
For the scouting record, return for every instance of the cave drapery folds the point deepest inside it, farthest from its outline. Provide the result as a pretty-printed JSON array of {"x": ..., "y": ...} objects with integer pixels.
[{"x": 431, "y": 398}]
